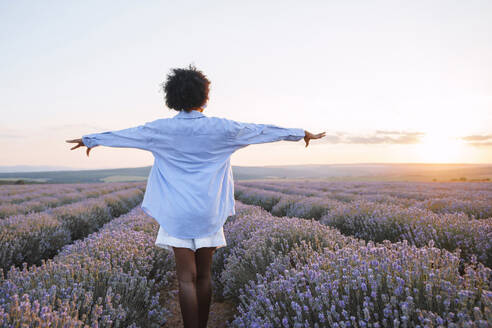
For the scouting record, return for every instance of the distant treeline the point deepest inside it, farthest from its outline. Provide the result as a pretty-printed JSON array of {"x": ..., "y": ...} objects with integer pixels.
[{"x": 330, "y": 172}]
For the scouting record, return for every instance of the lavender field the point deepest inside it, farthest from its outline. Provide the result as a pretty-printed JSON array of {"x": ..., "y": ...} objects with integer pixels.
[
  {"x": 361, "y": 254},
  {"x": 299, "y": 254}
]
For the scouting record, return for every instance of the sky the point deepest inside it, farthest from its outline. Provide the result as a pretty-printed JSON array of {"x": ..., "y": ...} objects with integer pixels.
[{"x": 389, "y": 81}]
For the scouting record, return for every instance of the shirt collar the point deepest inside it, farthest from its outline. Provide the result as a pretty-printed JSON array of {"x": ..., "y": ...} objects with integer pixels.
[{"x": 192, "y": 114}]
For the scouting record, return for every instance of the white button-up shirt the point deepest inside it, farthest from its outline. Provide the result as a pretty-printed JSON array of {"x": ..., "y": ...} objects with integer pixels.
[{"x": 190, "y": 189}]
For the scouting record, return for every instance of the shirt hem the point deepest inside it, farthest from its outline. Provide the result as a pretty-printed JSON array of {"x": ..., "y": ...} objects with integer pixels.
[{"x": 148, "y": 212}]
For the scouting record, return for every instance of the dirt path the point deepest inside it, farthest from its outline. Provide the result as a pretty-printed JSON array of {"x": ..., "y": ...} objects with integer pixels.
[{"x": 220, "y": 312}]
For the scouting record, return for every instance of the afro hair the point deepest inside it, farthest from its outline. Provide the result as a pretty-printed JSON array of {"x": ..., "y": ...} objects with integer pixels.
[{"x": 186, "y": 88}]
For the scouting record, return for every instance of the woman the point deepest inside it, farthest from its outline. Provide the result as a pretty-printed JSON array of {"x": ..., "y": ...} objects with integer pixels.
[{"x": 190, "y": 189}]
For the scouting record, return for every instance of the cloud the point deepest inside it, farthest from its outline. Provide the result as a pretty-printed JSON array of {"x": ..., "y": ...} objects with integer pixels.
[
  {"x": 389, "y": 132},
  {"x": 332, "y": 139},
  {"x": 487, "y": 140},
  {"x": 8, "y": 133},
  {"x": 480, "y": 144},
  {"x": 74, "y": 126},
  {"x": 45, "y": 130},
  {"x": 477, "y": 137},
  {"x": 378, "y": 137},
  {"x": 48, "y": 131},
  {"x": 10, "y": 136}
]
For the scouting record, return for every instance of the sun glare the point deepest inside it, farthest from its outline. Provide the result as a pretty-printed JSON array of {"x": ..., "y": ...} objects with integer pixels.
[{"x": 441, "y": 148}]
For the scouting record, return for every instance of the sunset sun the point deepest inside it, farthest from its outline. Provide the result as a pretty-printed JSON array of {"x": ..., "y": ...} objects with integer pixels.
[{"x": 440, "y": 147}]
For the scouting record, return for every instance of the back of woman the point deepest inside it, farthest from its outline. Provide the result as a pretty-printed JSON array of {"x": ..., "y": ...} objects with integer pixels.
[{"x": 190, "y": 189}]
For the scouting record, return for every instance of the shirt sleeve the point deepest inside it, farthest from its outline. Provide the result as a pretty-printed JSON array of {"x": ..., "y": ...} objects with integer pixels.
[
  {"x": 140, "y": 137},
  {"x": 243, "y": 134}
]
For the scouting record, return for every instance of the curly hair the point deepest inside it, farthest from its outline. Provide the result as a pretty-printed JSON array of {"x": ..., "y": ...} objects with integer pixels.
[{"x": 186, "y": 88}]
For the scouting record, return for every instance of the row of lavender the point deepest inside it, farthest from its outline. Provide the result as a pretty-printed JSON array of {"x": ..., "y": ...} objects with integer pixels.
[
  {"x": 291, "y": 272},
  {"x": 112, "y": 278},
  {"x": 17, "y": 193},
  {"x": 36, "y": 236},
  {"x": 56, "y": 195},
  {"x": 410, "y": 190},
  {"x": 473, "y": 199},
  {"x": 378, "y": 221},
  {"x": 13, "y": 190}
]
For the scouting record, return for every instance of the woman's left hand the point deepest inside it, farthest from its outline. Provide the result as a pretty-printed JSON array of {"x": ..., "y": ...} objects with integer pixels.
[
  {"x": 308, "y": 136},
  {"x": 79, "y": 144}
]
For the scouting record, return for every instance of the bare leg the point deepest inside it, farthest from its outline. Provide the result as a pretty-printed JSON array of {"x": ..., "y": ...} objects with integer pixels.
[
  {"x": 186, "y": 272},
  {"x": 203, "y": 258}
]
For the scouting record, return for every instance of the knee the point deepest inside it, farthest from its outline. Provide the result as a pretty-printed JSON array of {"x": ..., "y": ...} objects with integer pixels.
[{"x": 187, "y": 277}]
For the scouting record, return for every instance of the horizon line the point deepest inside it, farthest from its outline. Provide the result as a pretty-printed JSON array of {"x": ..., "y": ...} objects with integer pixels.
[{"x": 252, "y": 166}]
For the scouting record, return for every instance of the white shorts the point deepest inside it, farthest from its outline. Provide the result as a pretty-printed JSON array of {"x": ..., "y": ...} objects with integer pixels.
[{"x": 166, "y": 241}]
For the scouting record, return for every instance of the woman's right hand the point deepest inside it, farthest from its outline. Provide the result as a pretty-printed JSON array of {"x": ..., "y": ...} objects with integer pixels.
[
  {"x": 79, "y": 144},
  {"x": 308, "y": 136}
]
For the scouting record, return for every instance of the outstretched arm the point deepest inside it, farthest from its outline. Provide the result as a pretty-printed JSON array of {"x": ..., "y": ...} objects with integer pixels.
[
  {"x": 140, "y": 137},
  {"x": 243, "y": 134}
]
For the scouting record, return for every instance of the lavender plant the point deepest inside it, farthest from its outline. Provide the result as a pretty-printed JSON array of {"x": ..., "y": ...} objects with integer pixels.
[
  {"x": 373, "y": 285},
  {"x": 378, "y": 221},
  {"x": 111, "y": 278},
  {"x": 56, "y": 195},
  {"x": 352, "y": 283},
  {"x": 33, "y": 237}
]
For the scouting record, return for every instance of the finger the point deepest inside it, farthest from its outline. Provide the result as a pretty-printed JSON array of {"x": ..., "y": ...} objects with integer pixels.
[
  {"x": 88, "y": 150},
  {"x": 73, "y": 140},
  {"x": 76, "y": 146}
]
